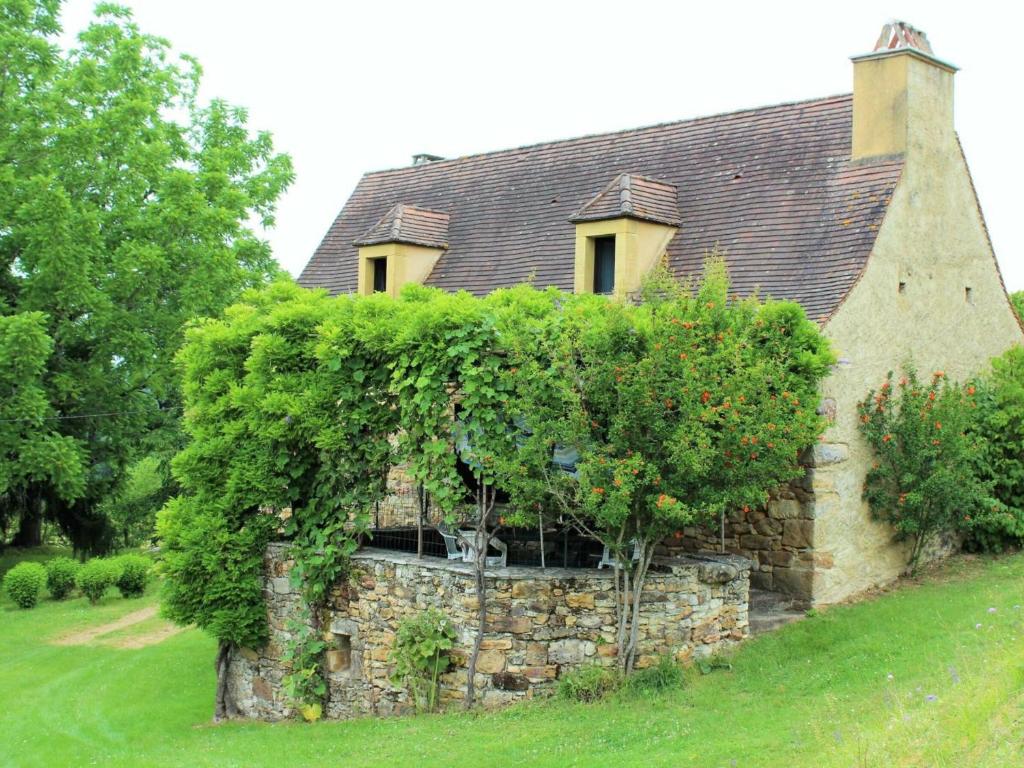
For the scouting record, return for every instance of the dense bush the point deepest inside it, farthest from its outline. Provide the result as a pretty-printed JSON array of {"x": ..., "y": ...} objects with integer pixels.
[
  {"x": 132, "y": 574},
  {"x": 588, "y": 683},
  {"x": 1000, "y": 425},
  {"x": 924, "y": 479},
  {"x": 95, "y": 577},
  {"x": 24, "y": 582},
  {"x": 60, "y": 576}
]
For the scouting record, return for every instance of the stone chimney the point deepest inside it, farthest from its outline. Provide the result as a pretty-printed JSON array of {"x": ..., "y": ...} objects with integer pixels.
[{"x": 902, "y": 95}]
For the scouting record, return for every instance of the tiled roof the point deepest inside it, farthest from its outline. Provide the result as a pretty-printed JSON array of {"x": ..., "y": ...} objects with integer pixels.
[
  {"x": 407, "y": 224},
  {"x": 634, "y": 196},
  {"x": 773, "y": 187}
]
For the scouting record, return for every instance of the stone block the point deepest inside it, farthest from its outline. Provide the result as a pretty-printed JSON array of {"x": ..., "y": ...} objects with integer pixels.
[
  {"x": 510, "y": 681},
  {"x": 568, "y": 651},
  {"x": 496, "y": 644},
  {"x": 785, "y": 509},
  {"x": 781, "y": 557},
  {"x": 798, "y": 533},
  {"x": 261, "y": 689},
  {"x": 793, "y": 581},
  {"x": 536, "y": 654},
  {"x": 489, "y": 662},
  {"x": 824, "y": 454},
  {"x": 580, "y": 600},
  {"x": 755, "y": 542},
  {"x": 282, "y": 585}
]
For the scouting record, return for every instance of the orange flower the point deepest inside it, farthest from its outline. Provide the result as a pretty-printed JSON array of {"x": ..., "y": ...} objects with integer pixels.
[
  {"x": 886, "y": 438},
  {"x": 938, "y": 425},
  {"x": 618, "y": 482},
  {"x": 668, "y": 403},
  {"x": 936, "y": 442},
  {"x": 939, "y": 374},
  {"x": 931, "y": 395},
  {"x": 970, "y": 390},
  {"x": 598, "y": 490},
  {"x": 682, "y": 355},
  {"x": 705, "y": 396}
]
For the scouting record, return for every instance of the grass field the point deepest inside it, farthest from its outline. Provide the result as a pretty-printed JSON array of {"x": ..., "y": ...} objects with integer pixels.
[{"x": 817, "y": 693}]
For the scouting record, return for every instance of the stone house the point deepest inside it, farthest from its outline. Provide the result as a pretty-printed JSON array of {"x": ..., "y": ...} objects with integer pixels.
[{"x": 860, "y": 207}]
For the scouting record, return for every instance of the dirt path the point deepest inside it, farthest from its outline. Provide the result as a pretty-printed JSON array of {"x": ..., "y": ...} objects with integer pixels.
[{"x": 88, "y": 635}]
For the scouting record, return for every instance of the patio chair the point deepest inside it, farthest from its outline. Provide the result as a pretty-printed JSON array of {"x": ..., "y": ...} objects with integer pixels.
[
  {"x": 607, "y": 559},
  {"x": 451, "y": 543},
  {"x": 471, "y": 541}
]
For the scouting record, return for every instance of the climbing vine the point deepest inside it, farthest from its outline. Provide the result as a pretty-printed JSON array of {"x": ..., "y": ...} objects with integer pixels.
[{"x": 298, "y": 404}]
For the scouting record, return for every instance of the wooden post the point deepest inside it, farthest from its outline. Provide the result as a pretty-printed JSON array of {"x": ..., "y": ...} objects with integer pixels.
[
  {"x": 422, "y": 494},
  {"x": 540, "y": 517}
]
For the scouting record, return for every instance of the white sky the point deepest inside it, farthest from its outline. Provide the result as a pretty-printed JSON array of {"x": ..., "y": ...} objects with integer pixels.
[{"x": 348, "y": 87}]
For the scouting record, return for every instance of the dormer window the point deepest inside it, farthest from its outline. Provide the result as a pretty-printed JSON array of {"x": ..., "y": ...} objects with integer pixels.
[
  {"x": 403, "y": 247},
  {"x": 604, "y": 264},
  {"x": 621, "y": 233},
  {"x": 380, "y": 274}
]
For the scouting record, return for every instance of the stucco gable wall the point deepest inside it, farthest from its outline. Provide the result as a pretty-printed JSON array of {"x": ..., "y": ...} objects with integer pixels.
[{"x": 933, "y": 239}]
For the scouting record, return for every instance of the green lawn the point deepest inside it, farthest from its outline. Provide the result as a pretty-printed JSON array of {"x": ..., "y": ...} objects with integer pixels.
[{"x": 814, "y": 694}]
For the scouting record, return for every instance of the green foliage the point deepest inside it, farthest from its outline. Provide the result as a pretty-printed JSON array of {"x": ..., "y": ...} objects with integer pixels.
[
  {"x": 126, "y": 210},
  {"x": 95, "y": 577},
  {"x": 679, "y": 409},
  {"x": 1017, "y": 302},
  {"x": 305, "y": 683},
  {"x": 664, "y": 675},
  {"x": 923, "y": 480},
  {"x": 132, "y": 574},
  {"x": 588, "y": 683},
  {"x": 24, "y": 582},
  {"x": 132, "y": 508},
  {"x": 1000, "y": 428},
  {"x": 420, "y": 655},
  {"x": 60, "y": 576}
]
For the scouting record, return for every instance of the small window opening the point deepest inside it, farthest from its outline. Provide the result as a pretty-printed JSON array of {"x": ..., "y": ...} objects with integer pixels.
[
  {"x": 903, "y": 287},
  {"x": 968, "y": 295},
  {"x": 604, "y": 264},
  {"x": 380, "y": 275},
  {"x": 341, "y": 655}
]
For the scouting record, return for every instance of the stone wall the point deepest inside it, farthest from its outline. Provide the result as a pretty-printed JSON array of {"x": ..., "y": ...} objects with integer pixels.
[
  {"x": 542, "y": 623},
  {"x": 776, "y": 538}
]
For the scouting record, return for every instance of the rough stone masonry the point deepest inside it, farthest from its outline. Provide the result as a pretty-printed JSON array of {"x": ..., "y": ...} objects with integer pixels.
[{"x": 541, "y": 624}]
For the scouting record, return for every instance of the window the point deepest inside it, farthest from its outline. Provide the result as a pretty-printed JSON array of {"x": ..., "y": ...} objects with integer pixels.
[
  {"x": 968, "y": 295},
  {"x": 604, "y": 264},
  {"x": 380, "y": 275}
]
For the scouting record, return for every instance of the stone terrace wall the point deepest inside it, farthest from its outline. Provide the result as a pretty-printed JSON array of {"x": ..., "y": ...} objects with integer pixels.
[{"x": 542, "y": 623}]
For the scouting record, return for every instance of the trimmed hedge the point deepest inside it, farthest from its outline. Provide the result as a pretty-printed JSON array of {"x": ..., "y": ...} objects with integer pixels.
[
  {"x": 133, "y": 572},
  {"x": 24, "y": 582},
  {"x": 95, "y": 577},
  {"x": 60, "y": 576}
]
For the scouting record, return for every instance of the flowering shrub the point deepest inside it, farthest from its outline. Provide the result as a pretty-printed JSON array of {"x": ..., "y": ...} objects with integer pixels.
[{"x": 923, "y": 480}]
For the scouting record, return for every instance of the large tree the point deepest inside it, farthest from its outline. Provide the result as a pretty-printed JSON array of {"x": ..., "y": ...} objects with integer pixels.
[{"x": 127, "y": 209}]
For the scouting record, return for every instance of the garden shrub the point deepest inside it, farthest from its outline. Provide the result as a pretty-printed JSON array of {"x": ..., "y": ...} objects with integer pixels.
[
  {"x": 660, "y": 676},
  {"x": 924, "y": 478},
  {"x": 24, "y": 582},
  {"x": 95, "y": 577},
  {"x": 60, "y": 576},
  {"x": 1000, "y": 427},
  {"x": 420, "y": 655},
  {"x": 132, "y": 574},
  {"x": 588, "y": 683}
]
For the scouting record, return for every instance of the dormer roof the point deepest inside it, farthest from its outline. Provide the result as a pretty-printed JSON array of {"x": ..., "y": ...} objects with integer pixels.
[
  {"x": 632, "y": 196},
  {"x": 408, "y": 224}
]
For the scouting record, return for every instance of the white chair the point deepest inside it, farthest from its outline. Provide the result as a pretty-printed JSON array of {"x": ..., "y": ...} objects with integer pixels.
[
  {"x": 451, "y": 543},
  {"x": 607, "y": 559},
  {"x": 472, "y": 540}
]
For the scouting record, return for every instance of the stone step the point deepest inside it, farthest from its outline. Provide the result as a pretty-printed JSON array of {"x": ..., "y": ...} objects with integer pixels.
[
  {"x": 771, "y": 610},
  {"x": 769, "y": 621}
]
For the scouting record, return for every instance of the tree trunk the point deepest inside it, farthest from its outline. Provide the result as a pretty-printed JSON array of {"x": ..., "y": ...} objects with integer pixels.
[
  {"x": 224, "y": 707},
  {"x": 30, "y": 532},
  {"x": 485, "y": 503},
  {"x": 646, "y": 553}
]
